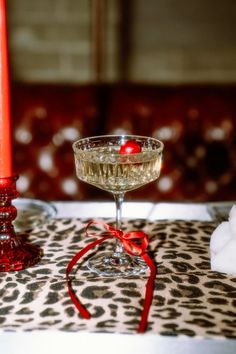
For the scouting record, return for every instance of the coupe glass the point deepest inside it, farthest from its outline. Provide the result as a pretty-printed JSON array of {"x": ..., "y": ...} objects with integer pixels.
[{"x": 99, "y": 162}]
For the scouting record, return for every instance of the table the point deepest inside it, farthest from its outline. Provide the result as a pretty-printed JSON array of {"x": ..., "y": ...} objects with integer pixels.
[{"x": 41, "y": 289}]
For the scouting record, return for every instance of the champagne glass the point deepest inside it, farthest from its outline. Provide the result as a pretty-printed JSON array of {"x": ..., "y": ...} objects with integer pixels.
[{"x": 117, "y": 164}]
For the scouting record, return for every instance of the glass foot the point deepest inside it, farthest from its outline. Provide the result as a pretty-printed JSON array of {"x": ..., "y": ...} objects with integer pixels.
[
  {"x": 118, "y": 265},
  {"x": 17, "y": 255}
]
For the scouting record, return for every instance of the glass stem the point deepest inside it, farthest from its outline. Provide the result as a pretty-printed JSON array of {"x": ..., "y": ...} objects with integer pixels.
[{"x": 119, "y": 198}]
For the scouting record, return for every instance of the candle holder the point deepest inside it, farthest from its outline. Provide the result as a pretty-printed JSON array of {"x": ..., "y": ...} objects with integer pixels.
[{"x": 15, "y": 253}]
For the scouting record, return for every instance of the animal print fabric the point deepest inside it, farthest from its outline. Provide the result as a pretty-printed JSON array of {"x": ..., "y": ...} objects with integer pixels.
[{"x": 189, "y": 298}]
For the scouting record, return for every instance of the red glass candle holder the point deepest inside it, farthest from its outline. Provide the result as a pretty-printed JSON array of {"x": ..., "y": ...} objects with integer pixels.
[{"x": 15, "y": 252}]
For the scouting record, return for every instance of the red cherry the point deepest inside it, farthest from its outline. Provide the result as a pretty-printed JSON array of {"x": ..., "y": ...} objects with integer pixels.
[{"x": 130, "y": 147}]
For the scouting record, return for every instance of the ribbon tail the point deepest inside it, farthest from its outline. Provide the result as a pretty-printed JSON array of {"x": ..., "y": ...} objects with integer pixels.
[
  {"x": 148, "y": 293},
  {"x": 82, "y": 310}
]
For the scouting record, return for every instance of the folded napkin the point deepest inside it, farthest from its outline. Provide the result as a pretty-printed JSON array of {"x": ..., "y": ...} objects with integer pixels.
[{"x": 223, "y": 245}]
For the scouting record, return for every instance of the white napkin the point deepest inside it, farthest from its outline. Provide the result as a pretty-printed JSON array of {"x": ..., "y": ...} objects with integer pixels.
[{"x": 223, "y": 245}]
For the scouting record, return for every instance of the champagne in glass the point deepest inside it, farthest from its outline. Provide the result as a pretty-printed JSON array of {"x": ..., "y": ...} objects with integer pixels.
[{"x": 118, "y": 164}]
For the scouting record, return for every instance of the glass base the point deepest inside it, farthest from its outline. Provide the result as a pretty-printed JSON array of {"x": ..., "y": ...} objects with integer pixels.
[
  {"x": 16, "y": 254},
  {"x": 119, "y": 265}
]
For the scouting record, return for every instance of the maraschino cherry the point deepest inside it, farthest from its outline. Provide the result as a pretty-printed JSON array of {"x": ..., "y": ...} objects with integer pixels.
[{"x": 130, "y": 147}]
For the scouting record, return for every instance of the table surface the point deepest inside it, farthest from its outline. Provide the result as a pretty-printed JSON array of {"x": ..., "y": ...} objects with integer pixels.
[{"x": 172, "y": 224}]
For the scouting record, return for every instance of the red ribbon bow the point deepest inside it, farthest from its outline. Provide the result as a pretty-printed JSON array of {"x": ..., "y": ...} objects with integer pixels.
[{"x": 131, "y": 247}]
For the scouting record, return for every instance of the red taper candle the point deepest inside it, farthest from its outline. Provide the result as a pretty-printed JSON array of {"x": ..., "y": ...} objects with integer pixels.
[{"x": 5, "y": 123}]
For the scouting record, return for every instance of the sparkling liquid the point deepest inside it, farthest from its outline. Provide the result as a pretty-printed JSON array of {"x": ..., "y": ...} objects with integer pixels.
[{"x": 107, "y": 169}]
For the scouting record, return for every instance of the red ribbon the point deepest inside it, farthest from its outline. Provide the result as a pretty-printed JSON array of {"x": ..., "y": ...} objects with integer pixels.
[{"x": 134, "y": 249}]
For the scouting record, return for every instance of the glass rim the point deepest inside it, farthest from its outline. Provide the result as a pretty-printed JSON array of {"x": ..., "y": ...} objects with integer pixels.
[{"x": 129, "y": 136}]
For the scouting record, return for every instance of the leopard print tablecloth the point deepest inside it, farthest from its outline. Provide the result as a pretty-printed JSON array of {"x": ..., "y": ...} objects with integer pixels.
[{"x": 189, "y": 298}]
